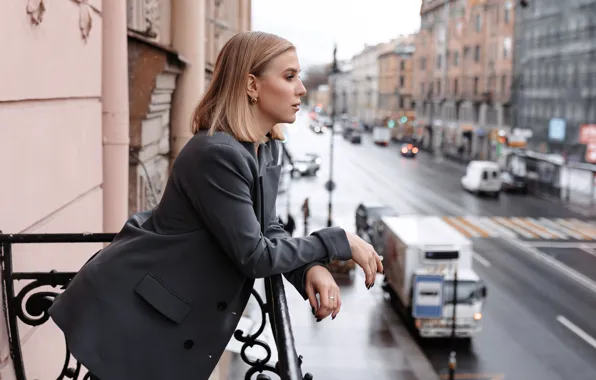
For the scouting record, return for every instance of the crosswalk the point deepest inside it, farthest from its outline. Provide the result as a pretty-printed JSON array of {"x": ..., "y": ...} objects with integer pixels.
[{"x": 523, "y": 228}]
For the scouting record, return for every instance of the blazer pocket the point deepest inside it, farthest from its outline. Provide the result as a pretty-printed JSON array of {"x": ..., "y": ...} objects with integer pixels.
[{"x": 163, "y": 299}]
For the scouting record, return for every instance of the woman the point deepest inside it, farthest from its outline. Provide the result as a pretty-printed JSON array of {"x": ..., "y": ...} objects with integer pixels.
[{"x": 164, "y": 298}]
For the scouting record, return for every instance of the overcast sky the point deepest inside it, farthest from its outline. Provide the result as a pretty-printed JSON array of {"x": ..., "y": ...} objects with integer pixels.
[{"x": 314, "y": 25}]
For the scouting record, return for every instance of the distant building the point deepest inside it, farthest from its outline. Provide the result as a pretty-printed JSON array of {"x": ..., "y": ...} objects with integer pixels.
[{"x": 555, "y": 73}]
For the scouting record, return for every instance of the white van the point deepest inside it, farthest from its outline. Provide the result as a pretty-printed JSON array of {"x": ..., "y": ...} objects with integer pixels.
[
  {"x": 482, "y": 177},
  {"x": 381, "y": 135}
]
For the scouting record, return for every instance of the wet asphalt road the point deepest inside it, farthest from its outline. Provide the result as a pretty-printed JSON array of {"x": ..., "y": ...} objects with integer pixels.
[{"x": 539, "y": 317}]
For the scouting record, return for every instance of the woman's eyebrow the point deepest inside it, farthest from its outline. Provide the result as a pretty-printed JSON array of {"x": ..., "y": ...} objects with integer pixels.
[{"x": 292, "y": 70}]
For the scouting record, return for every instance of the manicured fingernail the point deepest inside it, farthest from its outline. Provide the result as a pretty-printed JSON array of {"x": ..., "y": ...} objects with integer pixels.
[
  {"x": 333, "y": 317},
  {"x": 313, "y": 311},
  {"x": 319, "y": 319}
]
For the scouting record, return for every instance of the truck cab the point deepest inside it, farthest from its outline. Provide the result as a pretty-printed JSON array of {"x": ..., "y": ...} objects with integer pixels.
[{"x": 428, "y": 262}]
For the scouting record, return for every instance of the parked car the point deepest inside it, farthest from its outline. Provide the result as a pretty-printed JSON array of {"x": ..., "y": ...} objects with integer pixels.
[
  {"x": 482, "y": 177},
  {"x": 356, "y": 137},
  {"x": 366, "y": 217},
  {"x": 307, "y": 166},
  {"x": 513, "y": 183},
  {"x": 408, "y": 150},
  {"x": 317, "y": 127}
]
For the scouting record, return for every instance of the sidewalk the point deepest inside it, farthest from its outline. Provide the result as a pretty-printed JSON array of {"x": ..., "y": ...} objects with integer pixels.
[{"x": 367, "y": 340}]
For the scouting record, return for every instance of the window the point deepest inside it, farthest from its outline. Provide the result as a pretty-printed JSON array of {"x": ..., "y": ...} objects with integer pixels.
[
  {"x": 402, "y": 65},
  {"x": 507, "y": 47},
  {"x": 402, "y": 81},
  {"x": 455, "y": 86},
  {"x": 507, "y": 14},
  {"x": 439, "y": 61},
  {"x": 478, "y": 22},
  {"x": 476, "y": 80},
  {"x": 477, "y": 53},
  {"x": 456, "y": 58}
]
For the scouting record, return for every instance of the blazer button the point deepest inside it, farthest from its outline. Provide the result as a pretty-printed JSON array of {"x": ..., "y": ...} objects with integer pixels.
[
  {"x": 188, "y": 344},
  {"x": 222, "y": 306}
]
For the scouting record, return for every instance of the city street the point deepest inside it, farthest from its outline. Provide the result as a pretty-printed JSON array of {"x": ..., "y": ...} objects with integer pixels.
[{"x": 535, "y": 255}]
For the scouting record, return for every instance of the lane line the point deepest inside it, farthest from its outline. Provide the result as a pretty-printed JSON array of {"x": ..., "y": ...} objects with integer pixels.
[
  {"x": 481, "y": 260},
  {"x": 587, "y": 249},
  {"x": 572, "y": 273},
  {"x": 576, "y": 330}
]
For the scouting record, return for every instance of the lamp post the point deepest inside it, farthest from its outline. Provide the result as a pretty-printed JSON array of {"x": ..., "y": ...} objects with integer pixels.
[
  {"x": 330, "y": 185},
  {"x": 452, "y": 357}
]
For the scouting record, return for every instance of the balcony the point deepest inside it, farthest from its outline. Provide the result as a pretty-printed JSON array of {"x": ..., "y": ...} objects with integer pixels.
[{"x": 31, "y": 303}]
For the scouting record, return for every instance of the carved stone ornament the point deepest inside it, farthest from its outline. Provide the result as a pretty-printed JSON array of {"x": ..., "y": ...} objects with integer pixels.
[{"x": 35, "y": 10}]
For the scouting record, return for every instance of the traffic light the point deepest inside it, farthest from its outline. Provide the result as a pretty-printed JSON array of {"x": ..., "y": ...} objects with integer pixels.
[
  {"x": 403, "y": 119},
  {"x": 391, "y": 123}
]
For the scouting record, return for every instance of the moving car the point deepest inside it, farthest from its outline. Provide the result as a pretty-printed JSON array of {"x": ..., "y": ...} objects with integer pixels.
[
  {"x": 482, "y": 177},
  {"x": 381, "y": 136},
  {"x": 408, "y": 150}
]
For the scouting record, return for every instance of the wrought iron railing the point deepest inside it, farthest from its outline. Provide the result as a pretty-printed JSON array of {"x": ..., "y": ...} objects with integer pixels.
[{"x": 31, "y": 304}]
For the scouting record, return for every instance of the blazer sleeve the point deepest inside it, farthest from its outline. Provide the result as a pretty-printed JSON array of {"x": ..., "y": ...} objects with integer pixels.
[
  {"x": 218, "y": 186},
  {"x": 296, "y": 277}
]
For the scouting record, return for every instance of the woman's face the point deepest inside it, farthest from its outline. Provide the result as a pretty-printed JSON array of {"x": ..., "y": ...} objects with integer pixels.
[{"x": 278, "y": 90}]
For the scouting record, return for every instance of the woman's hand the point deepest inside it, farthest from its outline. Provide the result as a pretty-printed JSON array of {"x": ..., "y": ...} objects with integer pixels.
[
  {"x": 320, "y": 281},
  {"x": 365, "y": 255}
]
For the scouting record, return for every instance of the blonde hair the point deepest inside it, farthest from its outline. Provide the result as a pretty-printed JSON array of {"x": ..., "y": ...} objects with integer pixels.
[{"x": 226, "y": 105}]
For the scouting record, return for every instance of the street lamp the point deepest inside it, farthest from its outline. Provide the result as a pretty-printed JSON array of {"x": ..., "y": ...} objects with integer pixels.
[
  {"x": 330, "y": 185},
  {"x": 452, "y": 357}
]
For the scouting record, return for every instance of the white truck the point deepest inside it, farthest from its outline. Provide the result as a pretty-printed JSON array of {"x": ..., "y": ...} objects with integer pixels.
[
  {"x": 381, "y": 135},
  {"x": 422, "y": 255}
]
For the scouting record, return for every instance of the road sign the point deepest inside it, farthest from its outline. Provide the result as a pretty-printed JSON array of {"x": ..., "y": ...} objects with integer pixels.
[
  {"x": 428, "y": 296},
  {"x": 330, "y": 185},
  {"x": 587, "y": 134}
]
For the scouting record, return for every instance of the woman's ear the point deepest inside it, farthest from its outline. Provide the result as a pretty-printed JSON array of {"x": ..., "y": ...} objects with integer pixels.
[{"x": 252, "y": 88}]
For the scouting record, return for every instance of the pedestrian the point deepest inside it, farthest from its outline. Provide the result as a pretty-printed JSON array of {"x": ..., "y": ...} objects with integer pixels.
[{"x": 162, "y": 301}]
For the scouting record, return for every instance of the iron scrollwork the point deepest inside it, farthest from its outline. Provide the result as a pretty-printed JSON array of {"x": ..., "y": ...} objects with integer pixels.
[{"x": 32, "y": 303}]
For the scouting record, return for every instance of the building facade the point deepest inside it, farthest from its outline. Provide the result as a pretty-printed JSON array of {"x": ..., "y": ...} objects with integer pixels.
[
  {"x": 462, "y": 75},
  {"x": 555, "y": 75},
  {"x": 395, "y": 86},
  {"x": 88, "y": 137}
]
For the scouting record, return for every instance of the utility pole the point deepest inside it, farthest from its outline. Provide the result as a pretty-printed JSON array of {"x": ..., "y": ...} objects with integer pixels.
[
  {"x": 452, "y": 357},
  {"x": 330, "y": 185}
]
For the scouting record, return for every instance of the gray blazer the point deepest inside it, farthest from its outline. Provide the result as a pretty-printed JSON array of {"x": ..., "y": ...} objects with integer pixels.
[{"x": 164, "y": 298}]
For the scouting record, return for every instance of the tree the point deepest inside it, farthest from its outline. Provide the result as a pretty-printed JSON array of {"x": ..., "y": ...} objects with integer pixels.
[{"x": 316, "y": 76}]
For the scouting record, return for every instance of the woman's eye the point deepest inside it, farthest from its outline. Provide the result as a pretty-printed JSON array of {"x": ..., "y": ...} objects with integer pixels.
[{"x": 290, "y": 77}]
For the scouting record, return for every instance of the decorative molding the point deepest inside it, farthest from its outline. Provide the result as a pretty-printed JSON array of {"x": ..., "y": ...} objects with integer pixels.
[{"x": 36, "y": 10}]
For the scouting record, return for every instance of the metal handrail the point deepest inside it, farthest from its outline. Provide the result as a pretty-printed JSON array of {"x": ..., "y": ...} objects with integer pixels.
[{"x": 31, "y": 306}]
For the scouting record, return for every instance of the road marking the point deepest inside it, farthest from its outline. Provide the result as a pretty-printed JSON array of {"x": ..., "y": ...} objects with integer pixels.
[
  {"x": 563, "y": 229},
  {"x": 553, "y": 232},
  {"x": 462, "y": 228},
  {"x": 515, "y": 227},
  {"x": 569, "y": 225},
  {"x": 579, "y": 332},
  {"x": 588, "y": 249},
  {"x": 481, "y": 260},
  {"x": 575, "y": 275},
  {"x": 585, "y": 228},
  {"x": 536, "y": 230},
  {"x": 480, "y": 231},
  {"x": 555, "y": 244},
  {"x": 487, "y": 222}
]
